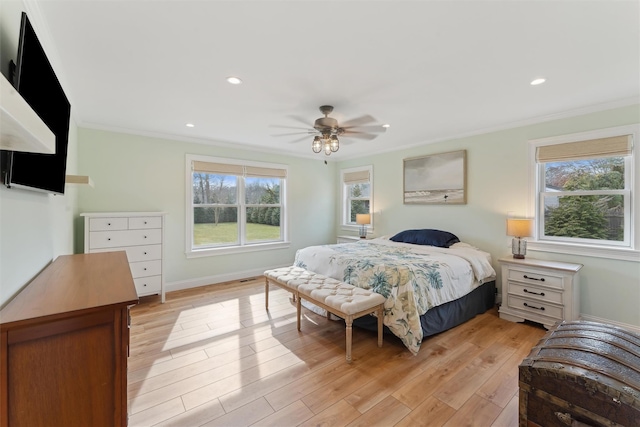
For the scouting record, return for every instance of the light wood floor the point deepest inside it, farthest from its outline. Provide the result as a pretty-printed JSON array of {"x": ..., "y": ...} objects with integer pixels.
[{"x": 214, "y": 356}]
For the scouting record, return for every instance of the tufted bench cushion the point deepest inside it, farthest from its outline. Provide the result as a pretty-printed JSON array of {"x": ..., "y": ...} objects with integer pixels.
[
  {"x": 289, "y": 278},
  {"x": 339, "y": 298}
]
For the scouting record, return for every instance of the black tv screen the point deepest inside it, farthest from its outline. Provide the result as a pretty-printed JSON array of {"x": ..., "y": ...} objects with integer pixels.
[{"x": 37, "y": 83}]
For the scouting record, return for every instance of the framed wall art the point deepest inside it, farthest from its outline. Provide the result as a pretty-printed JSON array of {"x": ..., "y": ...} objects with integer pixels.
[{"x": 436, "y": 179}]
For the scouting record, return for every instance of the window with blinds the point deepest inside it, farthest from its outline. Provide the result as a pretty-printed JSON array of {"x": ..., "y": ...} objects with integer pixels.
[
  {"x": 584, "y": 188},
  {"x": 234, "y": 203},
  {"x": 357, "y": 188}
]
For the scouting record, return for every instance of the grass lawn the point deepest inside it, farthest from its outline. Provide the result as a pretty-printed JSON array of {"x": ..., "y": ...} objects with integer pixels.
[{"x": 227, "y": 232}]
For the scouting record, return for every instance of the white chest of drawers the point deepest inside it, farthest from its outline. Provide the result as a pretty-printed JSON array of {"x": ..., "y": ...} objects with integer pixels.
[
  {"x": 140, "y": 235},
  {"x": 540, "y": 291}
]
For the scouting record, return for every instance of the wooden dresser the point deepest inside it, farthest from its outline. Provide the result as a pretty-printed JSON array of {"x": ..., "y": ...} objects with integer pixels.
[
  {"x": 140, "y": 234},
  {"x": 64, "y": 342}
]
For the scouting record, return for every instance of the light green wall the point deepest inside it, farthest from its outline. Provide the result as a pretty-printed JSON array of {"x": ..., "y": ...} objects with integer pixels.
[
  {"x": 138, "y": 173},
  {"x": 498, "y": 183},
  {"x": 34, "y": 227}
]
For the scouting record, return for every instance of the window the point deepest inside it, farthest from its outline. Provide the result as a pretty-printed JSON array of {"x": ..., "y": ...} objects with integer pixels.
[
  {"x": 234, "y": 205},
  {"x": 357, "y": 188},
  {"x": 584, "y": 188}
]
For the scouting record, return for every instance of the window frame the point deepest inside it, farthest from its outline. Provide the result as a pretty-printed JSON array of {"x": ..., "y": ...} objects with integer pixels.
[
  {"x": 626, "y": 250},
  {"x": 346, "y": 224},
  {"x": 241, "y": 246}
]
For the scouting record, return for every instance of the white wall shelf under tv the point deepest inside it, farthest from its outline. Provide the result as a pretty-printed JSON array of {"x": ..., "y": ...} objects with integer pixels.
[{"x": 21, "y": 129}]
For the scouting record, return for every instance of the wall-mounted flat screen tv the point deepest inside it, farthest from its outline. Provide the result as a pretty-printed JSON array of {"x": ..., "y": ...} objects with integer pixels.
[{"x": 36, "y": 81}]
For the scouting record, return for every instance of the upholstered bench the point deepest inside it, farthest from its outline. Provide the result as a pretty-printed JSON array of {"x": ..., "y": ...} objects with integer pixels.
[
  {"x": 339, "y": 298},
  {"x": 288, "y": 278}
]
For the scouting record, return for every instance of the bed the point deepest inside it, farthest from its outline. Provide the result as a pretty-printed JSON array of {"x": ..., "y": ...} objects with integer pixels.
[{"x": 431, "y": 281}]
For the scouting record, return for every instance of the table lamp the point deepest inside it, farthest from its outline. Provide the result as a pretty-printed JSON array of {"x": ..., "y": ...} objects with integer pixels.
[
  {"x": 519, "y": 228},
  {"x": 362, "y": 220}
]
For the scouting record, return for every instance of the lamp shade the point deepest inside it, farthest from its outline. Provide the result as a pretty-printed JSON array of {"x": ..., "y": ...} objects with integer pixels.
[
  {"x": 363, "y": 219},
  {"x": 519, "y": 227}
]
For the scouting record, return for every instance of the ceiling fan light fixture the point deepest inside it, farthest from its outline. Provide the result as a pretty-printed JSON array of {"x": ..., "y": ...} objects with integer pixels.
[
  {"x": 327, "y": 147},
  {"x": 334, "y": 143},
  {"x": 316, "y": 145},
  {"x": 327, "y": 130}
]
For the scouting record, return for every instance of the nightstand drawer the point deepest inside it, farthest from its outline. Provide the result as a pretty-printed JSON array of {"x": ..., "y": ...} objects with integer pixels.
[
  {"x": 539, "y": 293},
  {"x": 348, "y": 239},
  {"x": 535, "y": 276},
  {"x": 533, "y": 306}
]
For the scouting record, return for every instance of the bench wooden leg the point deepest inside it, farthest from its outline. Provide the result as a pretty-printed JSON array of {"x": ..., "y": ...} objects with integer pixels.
[
  {"x": 298, "y": 309},
  {"x": 266, "y": 293},
  {"x": 380, "y": 326},
  {"x": 349, "y": 322}
]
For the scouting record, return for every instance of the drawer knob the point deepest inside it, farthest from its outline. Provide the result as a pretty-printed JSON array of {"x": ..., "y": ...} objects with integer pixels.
[
  {"x": 534, "y": 293},
  {"x": 534, "y": 278},
  {"x": 533, "y": 306},
  {"x": 145, "y": 222},
  {"x": 108, "y": 223},
  {"x": 145, "y": 253},
  {"x": 144, "y": 284},
  {"x": 108, "y": 238},
  {"x": 145, "y": 269},
  {"x": 145, "y": 237}
]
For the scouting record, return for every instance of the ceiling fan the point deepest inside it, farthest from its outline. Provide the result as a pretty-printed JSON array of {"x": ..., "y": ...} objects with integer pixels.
[{"x": 326, "y": 130}]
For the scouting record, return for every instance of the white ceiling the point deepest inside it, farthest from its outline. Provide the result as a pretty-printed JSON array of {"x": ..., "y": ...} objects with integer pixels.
[{"x": 431, "y": 69}]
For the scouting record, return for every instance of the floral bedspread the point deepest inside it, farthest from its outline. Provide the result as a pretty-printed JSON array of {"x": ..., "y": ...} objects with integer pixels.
[{"x": 412, "y": 278}]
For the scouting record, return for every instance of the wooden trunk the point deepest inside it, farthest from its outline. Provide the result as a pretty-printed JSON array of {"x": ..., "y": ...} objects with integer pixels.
[{"x": 582, "y": 373}]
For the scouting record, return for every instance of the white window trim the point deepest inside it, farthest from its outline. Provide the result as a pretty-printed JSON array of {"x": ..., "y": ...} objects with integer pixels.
[
  {"x": 632, "y": 168},
  {"x": 344, "y": 224},
  {"x": 231, "y": 249}
]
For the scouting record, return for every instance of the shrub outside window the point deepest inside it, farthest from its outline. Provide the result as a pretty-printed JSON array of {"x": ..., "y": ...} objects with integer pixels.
[
  {"x": 585, "y": 200},
  {"x": 584, "y": 188},
  {"x": 357, "y": 189},
  {"x": 234, "y": 205}
]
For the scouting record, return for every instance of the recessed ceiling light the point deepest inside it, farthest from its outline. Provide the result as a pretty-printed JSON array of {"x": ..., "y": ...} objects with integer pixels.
[
  {"x": 386, "y": 125},
  {"x": 190, "y": 125},
  {"x": 538, "y": 81},
  {"x": 234, "y": 80}
]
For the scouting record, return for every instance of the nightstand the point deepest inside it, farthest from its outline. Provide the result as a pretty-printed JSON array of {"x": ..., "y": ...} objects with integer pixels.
[
  {"x": 540, "y": 291},
  {"x": 348, "y": 239}
]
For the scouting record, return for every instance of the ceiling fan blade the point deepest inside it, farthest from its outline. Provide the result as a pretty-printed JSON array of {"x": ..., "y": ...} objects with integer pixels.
[
  {"x": 290, "y": 127},
  {"x": 300, "y": 120},
  {"x": 358, "y": 135},
  {"x": 359, "y": 121},
  {"x": 304, "y": 138},
  {"x": 373, "y": 129},
  {"x": 293, "y": 133}
]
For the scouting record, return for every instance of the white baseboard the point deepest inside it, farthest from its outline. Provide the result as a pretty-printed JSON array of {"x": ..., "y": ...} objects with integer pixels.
[
  {"x": 220, "y": 278},
  {"x": 633, "y": 328}
]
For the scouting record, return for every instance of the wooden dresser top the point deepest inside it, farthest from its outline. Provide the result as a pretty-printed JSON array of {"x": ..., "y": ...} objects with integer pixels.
[{"x": 72, "y": 283}]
